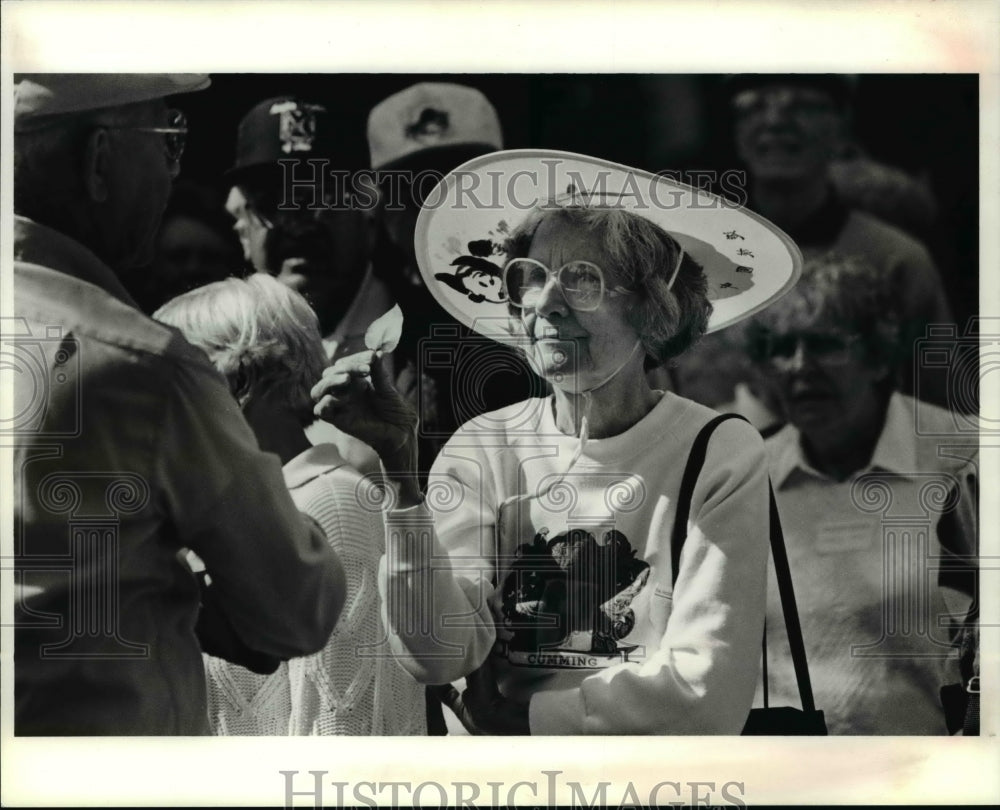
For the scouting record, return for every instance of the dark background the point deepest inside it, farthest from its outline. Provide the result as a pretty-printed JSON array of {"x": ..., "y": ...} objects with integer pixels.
[{"x": 926, "y": 124}]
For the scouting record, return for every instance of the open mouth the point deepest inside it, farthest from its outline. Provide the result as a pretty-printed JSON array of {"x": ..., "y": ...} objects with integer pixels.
[
  {"x": 557, "y": 350},
  {"x": 553, "y": 334}
]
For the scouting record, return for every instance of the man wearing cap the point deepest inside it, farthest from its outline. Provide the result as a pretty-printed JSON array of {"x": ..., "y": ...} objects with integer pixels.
[
  {"x": 129, "y": 449},
  {"x": 297, "y": 221},
  {"x": 788, "y": 130},
  {"x": 415, "y": 137},
  {"x": 296, "y": 218}
]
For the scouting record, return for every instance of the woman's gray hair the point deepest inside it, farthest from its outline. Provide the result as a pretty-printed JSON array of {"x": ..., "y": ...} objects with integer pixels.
[
  {"x": 262, "y": 336},
  {"x": 843, "y": 289},
  {"x": 668, "y": 319}
]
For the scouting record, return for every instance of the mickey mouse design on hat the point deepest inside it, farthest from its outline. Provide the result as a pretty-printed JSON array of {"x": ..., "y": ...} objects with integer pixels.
[{"x": 464, "y": 224}]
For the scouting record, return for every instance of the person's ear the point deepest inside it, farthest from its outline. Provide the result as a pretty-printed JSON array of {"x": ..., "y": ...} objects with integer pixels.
[{"x": 97, "y": 165}]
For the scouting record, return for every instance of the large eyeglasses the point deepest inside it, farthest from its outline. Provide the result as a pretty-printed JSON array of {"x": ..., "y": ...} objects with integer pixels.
[
  {"x": 174, "y": 134},
  {"x": 581, "y": 282},
  {"x": 825, "y": 349}
]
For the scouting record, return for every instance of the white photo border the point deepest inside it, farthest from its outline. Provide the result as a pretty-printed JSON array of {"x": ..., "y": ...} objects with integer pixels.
[{"x": 948, "y": 36}]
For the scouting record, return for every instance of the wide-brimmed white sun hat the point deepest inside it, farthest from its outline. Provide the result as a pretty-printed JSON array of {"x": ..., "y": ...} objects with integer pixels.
[{"x": 467, "y": 218}]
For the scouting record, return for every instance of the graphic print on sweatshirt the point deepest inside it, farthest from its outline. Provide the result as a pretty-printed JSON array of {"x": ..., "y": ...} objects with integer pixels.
[{"x": 567, "y": 600}]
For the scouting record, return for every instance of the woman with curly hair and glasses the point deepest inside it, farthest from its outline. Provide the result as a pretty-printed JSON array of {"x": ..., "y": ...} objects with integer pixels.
[{"x": 539, "y": 565}]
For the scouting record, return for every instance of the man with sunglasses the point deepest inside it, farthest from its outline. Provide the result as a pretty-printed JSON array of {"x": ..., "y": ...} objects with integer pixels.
[{"x": 128, "y": 448}]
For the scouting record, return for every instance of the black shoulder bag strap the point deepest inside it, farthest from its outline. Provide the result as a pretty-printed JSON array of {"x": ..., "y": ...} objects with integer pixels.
[{"x": 695, "y": 461}]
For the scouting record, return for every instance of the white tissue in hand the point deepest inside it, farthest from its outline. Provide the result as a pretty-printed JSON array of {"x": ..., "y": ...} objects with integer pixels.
[{"x": 383, "y": 334}]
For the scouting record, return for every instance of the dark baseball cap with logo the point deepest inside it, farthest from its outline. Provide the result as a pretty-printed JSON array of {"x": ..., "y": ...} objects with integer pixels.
[{"x": 289, "y": 127}]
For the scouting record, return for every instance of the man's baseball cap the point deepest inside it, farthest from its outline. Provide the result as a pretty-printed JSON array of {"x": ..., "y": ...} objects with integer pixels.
[
  {"x": 41, "y": 98},
  {"x": 419, "y": 123},
  {"x": 289, "y": 127}
]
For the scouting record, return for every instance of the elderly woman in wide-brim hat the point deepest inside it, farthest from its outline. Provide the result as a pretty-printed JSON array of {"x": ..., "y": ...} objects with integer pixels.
[{"x": 539, "y": 564}]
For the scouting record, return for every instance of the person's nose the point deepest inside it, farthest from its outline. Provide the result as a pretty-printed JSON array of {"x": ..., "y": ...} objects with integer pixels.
[
  {"x": 798, "y": 359},
  {"x": 551, "y": 299},
  {"x": 775, "y": 109}
]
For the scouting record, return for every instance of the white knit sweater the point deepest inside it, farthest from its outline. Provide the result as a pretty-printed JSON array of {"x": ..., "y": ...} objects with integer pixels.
[{"x": 353, "y": 685}]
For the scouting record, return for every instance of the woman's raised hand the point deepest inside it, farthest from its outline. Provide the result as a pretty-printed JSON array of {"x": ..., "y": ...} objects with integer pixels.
[{"x": 357, "y": 396}]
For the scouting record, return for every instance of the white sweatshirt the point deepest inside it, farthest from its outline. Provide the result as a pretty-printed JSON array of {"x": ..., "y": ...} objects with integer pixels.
[{"x": 577, "y": 572}]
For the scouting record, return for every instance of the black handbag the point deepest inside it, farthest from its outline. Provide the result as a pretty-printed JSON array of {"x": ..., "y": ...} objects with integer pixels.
[
  {"x": 961, "y": 700},
  {"x": 770, "y": 720}
]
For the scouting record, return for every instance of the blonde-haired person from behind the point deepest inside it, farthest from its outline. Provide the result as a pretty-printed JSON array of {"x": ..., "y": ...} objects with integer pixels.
[{"x": 264, "y": 338}]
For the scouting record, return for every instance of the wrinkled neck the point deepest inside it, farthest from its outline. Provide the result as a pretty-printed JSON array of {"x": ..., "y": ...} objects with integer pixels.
[{"x": 611, "y": 406}]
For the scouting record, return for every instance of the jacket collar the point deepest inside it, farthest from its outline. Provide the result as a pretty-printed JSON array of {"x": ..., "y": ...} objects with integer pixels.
[
  {"x": 895, "y": 451},
  {"x": 44, "y": 246},
  {"x": 312, "y": 463}
]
